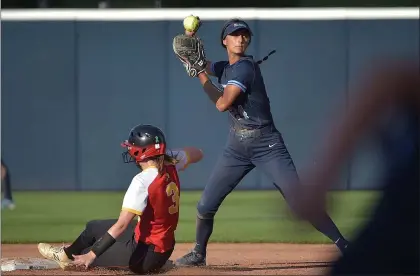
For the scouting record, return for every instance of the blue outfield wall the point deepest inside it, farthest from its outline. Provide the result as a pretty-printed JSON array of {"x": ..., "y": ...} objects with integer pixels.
[{"x": 71, "y": 91}]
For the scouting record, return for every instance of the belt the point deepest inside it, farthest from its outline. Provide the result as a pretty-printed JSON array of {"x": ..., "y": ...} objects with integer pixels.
[{"x": 252, "y": 132}]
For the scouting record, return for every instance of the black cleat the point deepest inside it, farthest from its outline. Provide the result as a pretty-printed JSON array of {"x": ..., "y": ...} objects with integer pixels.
[{"x": 191, "y": 259}]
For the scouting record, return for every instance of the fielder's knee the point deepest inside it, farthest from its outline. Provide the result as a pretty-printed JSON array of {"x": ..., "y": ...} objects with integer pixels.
[{"x": 204, "y": 212}]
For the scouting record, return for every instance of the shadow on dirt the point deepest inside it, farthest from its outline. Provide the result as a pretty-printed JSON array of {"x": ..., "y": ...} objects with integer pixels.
[{"x": 272, "y": 266}]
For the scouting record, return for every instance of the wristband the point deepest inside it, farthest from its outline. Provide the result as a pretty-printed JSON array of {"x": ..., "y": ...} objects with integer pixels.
[{"x": 103, "y": 244}]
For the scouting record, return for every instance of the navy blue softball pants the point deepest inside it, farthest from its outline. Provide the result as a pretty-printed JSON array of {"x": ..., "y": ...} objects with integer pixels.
[{"x": 245, "y": 150}]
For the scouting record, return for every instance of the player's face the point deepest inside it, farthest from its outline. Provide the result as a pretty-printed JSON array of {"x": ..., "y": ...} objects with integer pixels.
[{"x": 237, "y": 42}]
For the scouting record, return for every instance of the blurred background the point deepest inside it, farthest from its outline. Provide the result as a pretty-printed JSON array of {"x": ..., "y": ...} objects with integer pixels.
[
  {"x": 71, "y": 91},
  {"x": 79, "y": 4}
]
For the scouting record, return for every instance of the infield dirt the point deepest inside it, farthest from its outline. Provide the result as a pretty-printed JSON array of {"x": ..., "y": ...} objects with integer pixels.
[{"x": 222, "y": 259}]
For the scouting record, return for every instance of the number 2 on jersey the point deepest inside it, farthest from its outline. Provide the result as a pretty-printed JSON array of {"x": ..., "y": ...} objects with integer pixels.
[{"x": 172, "y": 190}]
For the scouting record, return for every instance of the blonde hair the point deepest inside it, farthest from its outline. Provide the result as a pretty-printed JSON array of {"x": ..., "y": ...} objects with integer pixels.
[{"x": 164, "y": 159}]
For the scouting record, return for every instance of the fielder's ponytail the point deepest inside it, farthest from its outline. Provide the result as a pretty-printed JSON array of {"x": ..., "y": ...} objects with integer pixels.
[{"x": 266, "y": 57}]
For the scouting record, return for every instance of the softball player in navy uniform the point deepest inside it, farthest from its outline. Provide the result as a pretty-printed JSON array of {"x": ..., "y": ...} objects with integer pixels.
[
  {"x": 153, "y": 195},
  {"x": 253, "y": 140}
]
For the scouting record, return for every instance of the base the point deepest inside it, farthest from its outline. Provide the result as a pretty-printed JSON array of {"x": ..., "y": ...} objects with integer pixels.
[{"x": 11, "y": 264}]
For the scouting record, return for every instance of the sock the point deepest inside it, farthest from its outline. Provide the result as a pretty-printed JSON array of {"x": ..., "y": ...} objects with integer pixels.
[
  {"x": 342, "y": 244},
  {"x": 327, "y": 227},
  {"x": 76, "y": 247},
  {"x": 204, "y": 230}
]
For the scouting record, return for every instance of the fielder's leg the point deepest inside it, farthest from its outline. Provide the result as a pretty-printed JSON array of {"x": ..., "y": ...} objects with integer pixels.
[
  {"x": 277, "y": 163},
  {"x": 229, "y": 171}
]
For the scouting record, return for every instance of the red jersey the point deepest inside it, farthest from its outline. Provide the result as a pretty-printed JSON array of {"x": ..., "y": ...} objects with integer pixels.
[{"x": 155, "y": 198}]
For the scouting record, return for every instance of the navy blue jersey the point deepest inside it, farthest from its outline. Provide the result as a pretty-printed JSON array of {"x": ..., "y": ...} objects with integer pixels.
[{"x": 252, "y": 108}]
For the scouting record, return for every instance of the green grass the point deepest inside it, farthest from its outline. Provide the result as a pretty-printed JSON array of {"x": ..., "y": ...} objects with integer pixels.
[{"x": 245, "y": 216}]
